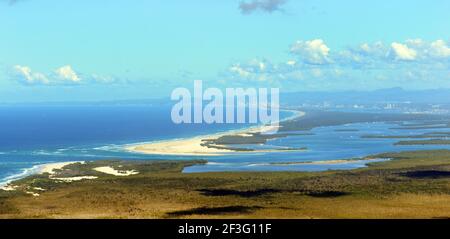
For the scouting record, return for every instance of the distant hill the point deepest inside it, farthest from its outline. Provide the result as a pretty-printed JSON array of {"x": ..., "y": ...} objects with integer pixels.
[{"x": 391, "y": 95}]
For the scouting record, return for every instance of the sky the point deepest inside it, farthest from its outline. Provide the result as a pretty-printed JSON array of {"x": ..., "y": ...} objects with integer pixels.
[{"x": 85, "y": 50}]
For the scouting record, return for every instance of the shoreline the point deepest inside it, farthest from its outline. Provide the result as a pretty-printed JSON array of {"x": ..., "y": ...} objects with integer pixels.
[
  {"x": 25, "y": 173},
  {"x": 35, "y": 170},
  {"x": 193, "y": 146},
  {"x": 160, "y": 191}
]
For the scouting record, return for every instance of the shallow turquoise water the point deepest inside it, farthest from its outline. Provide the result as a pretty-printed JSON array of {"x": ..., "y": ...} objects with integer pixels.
[{"x": 326, "y": 143}]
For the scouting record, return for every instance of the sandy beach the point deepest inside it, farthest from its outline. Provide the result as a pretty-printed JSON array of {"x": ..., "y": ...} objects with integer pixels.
[
  {"x": 193, "y": 146},
  {"x": 190, "y": 146},
  {"x": 51, "y": 167}
]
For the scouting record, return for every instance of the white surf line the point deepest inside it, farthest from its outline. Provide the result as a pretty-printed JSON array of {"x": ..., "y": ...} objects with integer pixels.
[{"x": 6, "y": 184}]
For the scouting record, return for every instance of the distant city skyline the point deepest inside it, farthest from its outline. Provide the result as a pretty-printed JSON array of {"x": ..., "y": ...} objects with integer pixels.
[{"x": 109, "y": 50}]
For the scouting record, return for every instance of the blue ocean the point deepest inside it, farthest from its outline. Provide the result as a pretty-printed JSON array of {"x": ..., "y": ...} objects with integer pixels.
[{"x": 34, "y": 135}]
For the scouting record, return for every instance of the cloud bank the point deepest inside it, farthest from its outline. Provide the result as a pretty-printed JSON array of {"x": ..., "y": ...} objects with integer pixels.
[
  {"x": 64, "y": 75},
  {"x": 313, "y": 62}
]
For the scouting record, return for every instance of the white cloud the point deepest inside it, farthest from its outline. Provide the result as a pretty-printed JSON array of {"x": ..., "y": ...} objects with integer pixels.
[
  {"x": 255, "y": 71},
  {"x": 429, "y": 51},
  {"x": 439, "y": 48},
  {"x": 64, "y": 75},
  {"x": 67, "y": 73},
  {"x": 258, "y": 65},
  {"x": 240, "y": 71},
  {"x": 61, "y": 75},
  {"x": 415, "y": 42},
  {"x": 377, "y": 55},
  {"x": 352, "y": 56},
  {"x": 366, "y": 55},
  {"x": 312, "y": 52},
  {"x": 377, "y": 48},
  {"x": 314, "y": 62},
  {"x": 291, "y": 62},
  {"x": 403, "y": 52},
  {"x": 365, "y": 47},
  {"x": 25, "y": 71},
  {"x": 25, "y": 74}
]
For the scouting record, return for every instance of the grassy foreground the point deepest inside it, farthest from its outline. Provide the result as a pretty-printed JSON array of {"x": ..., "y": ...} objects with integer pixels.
[{"x": 412, "y": 185}]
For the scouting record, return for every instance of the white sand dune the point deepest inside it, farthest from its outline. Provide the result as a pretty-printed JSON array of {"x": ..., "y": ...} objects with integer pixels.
[
  {"x": 8, "y": 188},
  {"x": 112, "y": 171},
  {"x": 32, "y": 193},
  {"x": 52, "y": 167},
  {"x": 73, "y": 179}
]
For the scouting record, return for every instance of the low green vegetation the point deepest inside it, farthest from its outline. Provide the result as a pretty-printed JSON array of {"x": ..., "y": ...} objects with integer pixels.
[
  {"x": 314, "y": 119},
  {"x": 424, "y": 142},
  {"x": 232, "y": 142},
  {"x": 420, "y": 136},
  {"x": 411, "y": 185},
  {"x": 422, "y": 126},
  {"x": 249, "y": 138}
]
